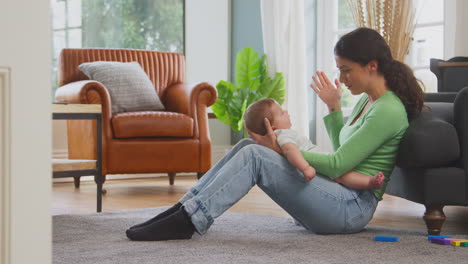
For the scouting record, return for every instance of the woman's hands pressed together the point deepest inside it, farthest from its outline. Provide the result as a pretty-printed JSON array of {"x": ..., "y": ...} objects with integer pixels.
[
  {"x": 268, "y": 140},
  {"x": 330, "y": 94}
]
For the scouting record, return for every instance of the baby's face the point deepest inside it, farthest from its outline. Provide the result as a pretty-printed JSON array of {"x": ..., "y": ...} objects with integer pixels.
[{"x": 281, "y": 118}]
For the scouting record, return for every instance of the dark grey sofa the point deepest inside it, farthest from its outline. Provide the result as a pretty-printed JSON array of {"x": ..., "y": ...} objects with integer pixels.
[{"x": 432, "y": 161}]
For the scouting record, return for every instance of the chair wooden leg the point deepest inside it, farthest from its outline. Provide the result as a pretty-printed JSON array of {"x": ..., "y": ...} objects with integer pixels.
[
  {"x": 76, "y": 179},
  {"x": 171, "y": 178},
  {"x": 434, "y": 218},
  {"x": 200, "y": 174}
]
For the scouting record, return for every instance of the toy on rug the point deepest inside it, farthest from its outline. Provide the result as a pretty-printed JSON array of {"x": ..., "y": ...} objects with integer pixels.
[
  {"x": 440, "y": 241},
  {"x": 429, "y": 237},
  {"x": 386, "y": 238},
  {"x": 457, "y": 243},
  {"x": 446, "y": 240}
]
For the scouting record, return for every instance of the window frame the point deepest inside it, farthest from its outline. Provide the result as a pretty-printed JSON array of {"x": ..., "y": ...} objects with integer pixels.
[{"x": 448, "y": 36}]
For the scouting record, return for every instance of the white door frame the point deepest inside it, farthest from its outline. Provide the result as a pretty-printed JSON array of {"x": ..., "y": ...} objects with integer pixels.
[
  {"x": 25, "y": 132},
  {"x": 5, "y": 201}
]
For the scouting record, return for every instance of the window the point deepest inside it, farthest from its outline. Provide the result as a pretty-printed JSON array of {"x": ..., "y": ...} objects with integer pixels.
[
  {"x": 136, "y": 24},
  {"x": 340, "y": 23},
  {"x": 333, "y": 21},
  {"x": 345, "y": 24},
  {"x": 428, "y": 41}
]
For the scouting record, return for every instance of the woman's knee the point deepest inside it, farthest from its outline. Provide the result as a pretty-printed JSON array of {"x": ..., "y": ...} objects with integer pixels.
[
  {"x": 241, "y": 144},
  {"x": 245, "y": 142},
  {"x": 255, "y": 151},
  {"x": 253, "y": 148},
  {"x": 249, "y": 152}
]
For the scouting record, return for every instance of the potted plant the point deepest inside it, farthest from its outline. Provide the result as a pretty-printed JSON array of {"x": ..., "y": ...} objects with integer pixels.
[{"x": 252, "y": 83}]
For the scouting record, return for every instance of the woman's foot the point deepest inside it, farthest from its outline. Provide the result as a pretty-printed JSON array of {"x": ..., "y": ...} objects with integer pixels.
[
  {"x": 175, "y": 226},
  {"x": 377, "y": 181},
  {"x": 168, "y": 212}
]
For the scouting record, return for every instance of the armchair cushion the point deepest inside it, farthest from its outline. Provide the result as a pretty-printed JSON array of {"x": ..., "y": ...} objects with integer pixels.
[
  {"x": 152, "y": 124},
  {"x": 129, "y": 87},
  {"x": 429, "y": 142}
]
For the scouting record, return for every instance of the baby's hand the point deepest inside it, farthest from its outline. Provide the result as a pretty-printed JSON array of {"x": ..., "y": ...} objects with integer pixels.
[{"x": 309, "y": 173}]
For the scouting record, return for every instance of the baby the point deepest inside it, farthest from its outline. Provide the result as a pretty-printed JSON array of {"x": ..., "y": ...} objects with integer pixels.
[{"x": 292, "y": 143}]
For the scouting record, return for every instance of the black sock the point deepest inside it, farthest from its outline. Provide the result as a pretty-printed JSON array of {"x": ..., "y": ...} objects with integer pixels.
[
  {"x": 168, "y": 212},
  {"x": 175, "y": 226}
]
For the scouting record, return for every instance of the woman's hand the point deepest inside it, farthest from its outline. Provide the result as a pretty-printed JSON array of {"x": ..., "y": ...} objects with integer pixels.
[
  {"x": 330, "y": 94},
  {"x": 268, "y": 140}
]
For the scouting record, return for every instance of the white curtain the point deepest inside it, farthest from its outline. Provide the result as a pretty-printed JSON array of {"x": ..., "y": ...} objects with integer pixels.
[
  {"x": 284, "y": 44},
  {"x": 326, "y": 63}
]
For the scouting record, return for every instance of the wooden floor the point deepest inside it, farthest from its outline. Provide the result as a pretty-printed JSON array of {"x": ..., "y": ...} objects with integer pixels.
[{"x": 392, "y": 212}]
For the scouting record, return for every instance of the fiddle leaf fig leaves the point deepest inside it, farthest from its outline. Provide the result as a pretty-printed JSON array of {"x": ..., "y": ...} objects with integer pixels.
[{"x": 252, "y": 84}]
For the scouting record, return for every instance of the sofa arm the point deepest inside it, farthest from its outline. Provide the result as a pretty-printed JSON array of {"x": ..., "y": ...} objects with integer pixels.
[
  {"x": 447, "y": 97},
  {"x": 429, "y": 142},
  {"x": 460, "y": 117}
]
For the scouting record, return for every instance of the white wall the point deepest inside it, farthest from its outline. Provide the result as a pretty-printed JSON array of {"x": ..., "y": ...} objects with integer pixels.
[
  {"x": 208, "y": 52},
  {"x": 207, "y": 40},
  {"x": 461, "y": 36},
  {"x": 25, "y": 52}
]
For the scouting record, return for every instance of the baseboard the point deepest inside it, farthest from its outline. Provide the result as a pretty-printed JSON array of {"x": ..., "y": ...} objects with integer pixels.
[{"x": 217, "y": 153}]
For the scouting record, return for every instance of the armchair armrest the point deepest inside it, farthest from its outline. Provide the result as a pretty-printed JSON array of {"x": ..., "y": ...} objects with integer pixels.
[
  {"x": 81, "y": 92},
  {"x": 176, "y": 98},
  {"x": 88, "y": 92},
  {"x": 188, "y": 99},
  {"x": 85, "y": 92},
  {"x": 193, "y": 100}
]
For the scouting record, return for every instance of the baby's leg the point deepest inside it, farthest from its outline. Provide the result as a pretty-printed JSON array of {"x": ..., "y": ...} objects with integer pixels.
[{"x": 377, "y": 181}]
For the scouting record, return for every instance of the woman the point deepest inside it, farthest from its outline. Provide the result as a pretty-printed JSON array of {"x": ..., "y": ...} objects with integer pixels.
[{"x": 367, "y": 143}]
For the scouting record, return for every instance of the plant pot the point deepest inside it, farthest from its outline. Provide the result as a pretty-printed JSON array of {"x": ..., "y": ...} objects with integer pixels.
[{"x": 236, "y": 136}]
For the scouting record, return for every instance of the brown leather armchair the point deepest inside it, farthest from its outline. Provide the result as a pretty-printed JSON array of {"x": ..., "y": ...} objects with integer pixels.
[{"x": 171, "y": 141}]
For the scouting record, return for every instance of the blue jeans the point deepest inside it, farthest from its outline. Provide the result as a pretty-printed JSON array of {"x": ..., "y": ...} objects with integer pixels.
[{"x": 320, "y": 205}]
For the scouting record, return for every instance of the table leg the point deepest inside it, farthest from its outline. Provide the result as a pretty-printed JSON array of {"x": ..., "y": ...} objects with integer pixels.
[
  {"x": 99, "y": 193},
  {"x": 99, "y": 178}
]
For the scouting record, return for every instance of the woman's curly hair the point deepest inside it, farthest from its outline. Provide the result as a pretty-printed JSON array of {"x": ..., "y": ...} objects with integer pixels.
[{"x": 364, "y": 45}]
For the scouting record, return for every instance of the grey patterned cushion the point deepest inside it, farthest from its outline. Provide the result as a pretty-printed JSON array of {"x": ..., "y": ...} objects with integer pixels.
[{"x": 128, "y": 85}]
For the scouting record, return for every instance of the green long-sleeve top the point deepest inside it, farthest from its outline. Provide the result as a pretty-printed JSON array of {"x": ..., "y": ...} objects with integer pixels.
[{"x": 369, "y": 145}]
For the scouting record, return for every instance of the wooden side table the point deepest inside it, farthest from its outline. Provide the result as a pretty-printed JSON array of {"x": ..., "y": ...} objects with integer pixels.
[{"x": 71, "y": 168}]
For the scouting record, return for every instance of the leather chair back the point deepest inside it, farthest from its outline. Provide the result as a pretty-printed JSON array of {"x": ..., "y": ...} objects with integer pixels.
[{"x": 163, "y": 68}]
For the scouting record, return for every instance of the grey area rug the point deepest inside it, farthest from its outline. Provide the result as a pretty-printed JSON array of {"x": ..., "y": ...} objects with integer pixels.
[{"x": 236, "y": 238}]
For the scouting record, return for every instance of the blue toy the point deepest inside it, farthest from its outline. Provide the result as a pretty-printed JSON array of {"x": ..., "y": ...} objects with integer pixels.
[
  {"x": 386, "y": 238},
  {"x": 430, "y": 237}
]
